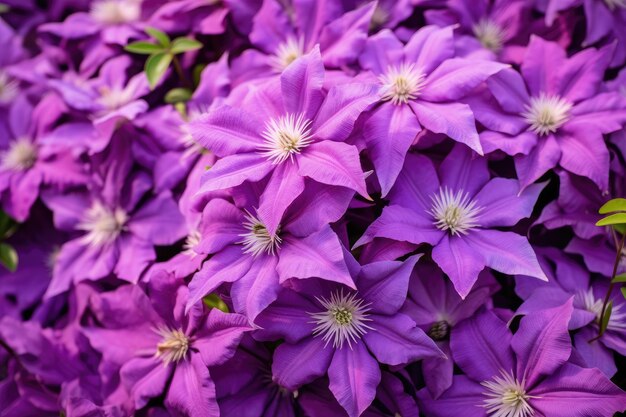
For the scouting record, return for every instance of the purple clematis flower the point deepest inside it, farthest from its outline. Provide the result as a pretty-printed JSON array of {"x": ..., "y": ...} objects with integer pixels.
[
  {"x": 524, "y": 374},
  {"x": 257, "y": 262},
  {"x": 435, "y": 306},
  {"x": 422, "y": 83},
  {"x": 598, "y": 253},
  {"x": 287, "y": 130},
  {"x": 330, "y": 328},
  {"x": 567, "y": 279},
  {"x": 554, "y": 113},
  {"x": 160, "y": 350},
  {"x": 118, "y": 229},
  {"x": 457, "y": 209}
]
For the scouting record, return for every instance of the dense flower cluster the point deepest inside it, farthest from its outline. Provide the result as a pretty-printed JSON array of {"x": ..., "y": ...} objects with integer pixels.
[{"x": 255, "y": 208}]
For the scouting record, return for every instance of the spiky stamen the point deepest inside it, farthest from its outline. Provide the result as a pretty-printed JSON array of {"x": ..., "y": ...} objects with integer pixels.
[
  {"x": 257, "y": 239},
  {"x": 103, "y": 225},
  {"x": 286, "y": 136},
  {"x": 453, "y": 211},
  {"x": 286, "y": 53},
  {"x": 439, "y": 330},
  {"x": 193, "y": 240},
  {"x": 547, "y": 113},
  {"x": 174, "y": 345},
  {"x": 115, "y": 12},
  {"x": 343, "y": 319},
  {"x": 21, "y": 155},
  {"x": 506, "y": 397},
  {"x": 617, "y": 320},
  {"x": 490, "y": 34},
  {"x": 9, "y": 88},
  {"x": 402, "y": 83}
]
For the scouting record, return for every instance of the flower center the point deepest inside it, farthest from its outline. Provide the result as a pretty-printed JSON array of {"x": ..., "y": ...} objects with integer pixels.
[
  {"x": 257, "y": 239},
  {"x": 102, "y": 225},
  {"x": 343, "y": 319},
  {"x": 547, "y": 113},
  {"x": 286, "y": 136},
  {"x": 402, "y": 83},
  {"x": 193, "y": 240},
  {"x": 454, "y": 211},
  {"x": 9, "y": 88},
  {"x": 439, "y": 330},
  {"x": 115, "y": 98},
  {"x": 174, "y": 345},
  {"x": 286, "y": 53},
  {"x": 114, "y": 12},
  {"x": 506, "y": 397},
  {"x": 617, "y": 320},
  {"x": 614, "y": 4},
  {"x": 21, "y": 155},
  {"x": 490, "y": 34}
]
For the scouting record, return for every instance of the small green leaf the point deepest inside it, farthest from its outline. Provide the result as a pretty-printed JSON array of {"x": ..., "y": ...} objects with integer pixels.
[
  {"x": 623, "y": 289},
  {"x": 620, "y": 228},
  {"x": 619, "y": 278},
  {"x": 4, "y": 8},
  {"x": 607, "y": 316},
  {"x": 618, "y": 218},
  {"x": 156, "y": 65},
  {"x": 178, "y": 95},
  {"x": 7, "y": 225},
  {"x": 143, "y": 47},
  {"x": 611, "y": 206},
  {"x": 161, "y": 37},
  {"x": 214, "y": 301},
  {"x": 181, "y": 45},
  {"x": 8, "y": 257},
  {"x": 197, "y": 73}
]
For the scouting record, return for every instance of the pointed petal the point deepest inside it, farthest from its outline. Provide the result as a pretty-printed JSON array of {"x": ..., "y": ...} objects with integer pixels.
[
  {"x": 461, "y": 261},
  {"x": 159, "y": 221},
  {"x": 258, "y": 288},
  {"x": 429, "y": 47},
  {"x": 540, "y": 160},
  {"x": 286, "y": 318},
  {"x": 463, "y": 398},
  {"x": 301, "y": 363},
  {"x": 192, "y": 392},
  {"x": 541, "y": 64},
  {"x": 284, "y": 186},
  {"x": 381, "y": 49},
  {"x": 233, "y": 171},
  {"x": 587, "y": 141},
  {"x": 218, "y": 339},
  {"x": 301, "y": 84},
  {"x": 416, "y": 183},
  {"x": 509, "y": 89},
  {"x": 503, "y": 204},
  {"x": 146, "y": 378}
]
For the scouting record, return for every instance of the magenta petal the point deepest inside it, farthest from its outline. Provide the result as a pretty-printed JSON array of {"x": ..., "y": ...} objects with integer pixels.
[
  {"x": 301, "y": 363},
  {"x": 333, "y": 163},
  {"x": 234, "y": 170},
  {"x": 354, "y": 375},
  {"x": 429, "y": 47},
  {"x": 396, "y": 340},
  {"x": 227, "y": 131},
  {"x": 286, "y": 318},
  {"x": 542, "y": 342},
  {"x": 453, "y": 119},
  {"x": 389, "y": 132},
  {"x": 317, "y": 255},
  {"x": 220, "y": 336},
  {"x": 586, "y": 140},
  {"x": 503, "y": 204},
  {"x": 490, "y": 341},
  {"x": 284, "y": 186},
  {"x": 585, "y": 392},
  {"x": 145, "y": 378},
  {"x": 380, "y": 50},
  {"x": 506, "y": 252},
  {"x": 581, "y": 75},
  {"x": 192, "y": 392},
  {"x": 542, "y": 158},
  {"x": 464, "y": 398},
  {"x": 438, "y": 372},
  {"x": 460, "y": 260},
  {"x": 595, "y": 354},
  {"x": 301, "y": 84},
  {"x": 258, "y": 288},
  {"x": 159, "y": 221},
  {"x": 541, "y": 64},
  {"x": 509, "y": 90},
  {"x": 222, "y": 225}
]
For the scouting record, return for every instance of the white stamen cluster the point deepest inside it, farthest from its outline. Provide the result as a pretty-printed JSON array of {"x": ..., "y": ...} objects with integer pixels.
[
  {"x": 402, "y": 83},
  {"x": 343, "y": 319},
  {"x": 547, "y": 113},
  {"x": 9, "y": 88},
  {"x": 174, "y": 345},
  {"x": 257, "y": 239},
  {"x": 286, "y": 53},
  {"x": 193, "y": 240},
  {"x": 285, "y": 137},
  {"x": 21, "y": 155},
  {"x": 490, "y": 34},
  {"x": 113, "y": 99},
  {"x": 506, "y": 397},
  {"x": 102, "y": 225},
  {"x": 115, "y": 12},
  {"x": 453, "y": 211},
  {"x": 614, "y": 4},
  {"x": 617, "y": 321}
]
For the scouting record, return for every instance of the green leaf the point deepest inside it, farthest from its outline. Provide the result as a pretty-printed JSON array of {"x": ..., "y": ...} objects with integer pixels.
[
  {"x": 8, "y": 257},
  {"x": 619, "y": 278},
  {"x": 607, "y": 316},
  {"x": 611, "y": 206},
  {"x": 197, "y": 73},
  {"x": 617, "y": 218},
  {"x": 178, "y": 95},
  {"x": 213, "y": 301},
  {"x": 181, "y": 45},
  {"x": 4, "y": 8},
  {"x": 7, "y": 225},
  {"x": 623, "y": 289},
  {"x": 156, "y": 65},
  {"x": 143, "y": 47},
  {"x": 161, "y": 37},
  {"x": 620, "y": 228}
]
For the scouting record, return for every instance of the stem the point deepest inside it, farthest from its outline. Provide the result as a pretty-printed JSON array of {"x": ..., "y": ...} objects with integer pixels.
[
  {"x": 179, "y": 70},
  {"x": 607, "y": 298}
]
